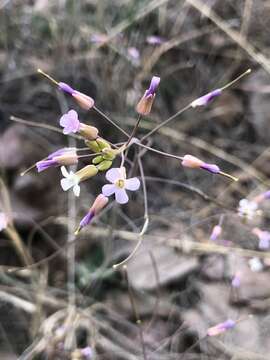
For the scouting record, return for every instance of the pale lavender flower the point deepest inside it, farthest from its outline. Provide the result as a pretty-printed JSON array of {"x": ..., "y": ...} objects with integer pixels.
[
  {"x": 247, "y": 209},
  {"x": 205, "y": 99},
  {"x": 154, "y": 40},
  {"x": 236, "y": 281},
  {"x": 217, "y": 229},
  {"x": 87, "y": 352},
  {"x": 119, "y": 184},
  {"x": 65, "y": 156},
  {"x": 221, "y": 328},
  {"x": 70, "y": 122},
  {"x": 134, "y": 53},
  {"x": 84, "y": 101},
  {"x": 3, "y": 221},
  {"x": 264, "y": 238}
]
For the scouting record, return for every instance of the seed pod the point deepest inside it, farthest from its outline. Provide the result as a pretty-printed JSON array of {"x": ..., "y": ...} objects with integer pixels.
[{"x": 104, "y": 165}]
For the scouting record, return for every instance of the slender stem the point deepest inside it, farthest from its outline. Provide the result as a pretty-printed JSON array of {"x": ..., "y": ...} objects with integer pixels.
[
  {"x": 159, "y": 151},
  {"x": 165, "y": 122},
  {"x": 146, "y": 220},
  {"x": 19, "y": 245},
  {"x": 101, "y": 113},
  {"x": 136, "y": 313},
  {"x": 235, "y": 80},
  {"x": 134, "y": 130}
]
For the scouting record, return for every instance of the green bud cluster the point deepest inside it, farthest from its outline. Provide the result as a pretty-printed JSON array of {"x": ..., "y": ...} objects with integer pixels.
[{"x": 103, "y": 161}]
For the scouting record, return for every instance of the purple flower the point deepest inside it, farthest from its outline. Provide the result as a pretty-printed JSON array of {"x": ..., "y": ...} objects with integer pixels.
[
  {"x": 65, "y": 156},
  {"x": 3, "y": 221},
  {"x": 154, "y": 40},
  {"x": 119, "y": 184},
  {"x": 191, "y": 161},
  {"x": 264, "y": 238},
  {"x": 205, "y": 99},
  {"x": 220, "y": 328},
  {"x": 70, "y": 122},
  {"x": 87, "y": 352},
  {"x": 236, "y": 281},
  {"x": 134, "y": 53},
  {"x": 215, "y": 232}
]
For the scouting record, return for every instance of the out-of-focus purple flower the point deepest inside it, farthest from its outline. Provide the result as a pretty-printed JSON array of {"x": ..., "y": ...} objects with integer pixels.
[
  {"x": 221, "y": 328},
  {"x": 100, "y": 202},
  {"x": 154, "y": 40},
  {"x": 191, "y": 161},
  {"x": 236, "y": 281},
  {"x": 217, "y": 229},
  {"x": 205, "y": 99},
  {"x": 65, "y": 156},
  {"x": 134, "y": 53},
  {"x": 145, "y": 104},
  {"x": 87, "y": 352},
  {"x": 3, "y": 221},
  {"x": 71, "y": 124},
  {"x": 247, "y": 209},
  {"x": 261, "y": 197},
  {"x": 119, "y": 184},
  {"x": 264, "y": 238},
  {"x": 98, "y": 38}
]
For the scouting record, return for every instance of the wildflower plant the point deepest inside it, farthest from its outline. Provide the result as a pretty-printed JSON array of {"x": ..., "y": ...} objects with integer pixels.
[{"x": 106, "y": 156}]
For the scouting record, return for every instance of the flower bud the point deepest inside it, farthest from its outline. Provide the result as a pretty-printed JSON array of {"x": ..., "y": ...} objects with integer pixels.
[
  {"x": 145, "y": 104},
  {"x": 221, "y": 328},
  {"x": 87, "y": 172},
  {"x": 100, "y": 202},
  {"x": 191, "y": 161},
  {"x": 84, "y": 101},
  {"x": 88, "y": 132},
  {"x": 103, "y": 144},
  {"x": 93, "y": 145},
  {"x": 217, "y": 229},
  {"x": 104, "y": 165}
]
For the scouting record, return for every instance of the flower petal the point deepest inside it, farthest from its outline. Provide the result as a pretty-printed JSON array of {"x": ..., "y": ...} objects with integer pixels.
[
  {"x": 77, "y": 190},
  {"x": 113, "y": 174},
  {"x": 64, "y": 172},
  {"x": 67, "y": 184},
  {"x": 121, "y": 196},
  {"x": 108, "y": 190},
  {"x": 132, "y": 184}
]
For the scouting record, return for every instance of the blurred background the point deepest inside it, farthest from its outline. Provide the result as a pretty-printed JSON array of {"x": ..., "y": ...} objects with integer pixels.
[{"x": 177, "y": 285}]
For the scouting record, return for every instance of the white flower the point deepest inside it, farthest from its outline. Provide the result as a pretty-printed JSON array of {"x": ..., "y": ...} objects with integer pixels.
[
  {"x": 119, "y": 184},
  {"x": 247, "y": 209},
  {"x": 255, "y": 264},
  {"x": 3, "y": 221},
  {"x": 70, "y": 180}
]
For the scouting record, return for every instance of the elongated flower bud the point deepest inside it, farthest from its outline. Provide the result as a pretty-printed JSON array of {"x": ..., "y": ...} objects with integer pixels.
[
  {"x": 100, "y": 202},
  {"x": 65, "y": 156},
  {"x": 84, "y": 101},
  {"x": 217, "y": 229},
  {"x": 145, "y": 104},
  {"x": 193, "y": 162},
  {"x": 221, "y": 328},
  {"x": 88, "y": 132},
  {"x": 87, "y": 172},
  {"x": 205, "y": 99}
]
